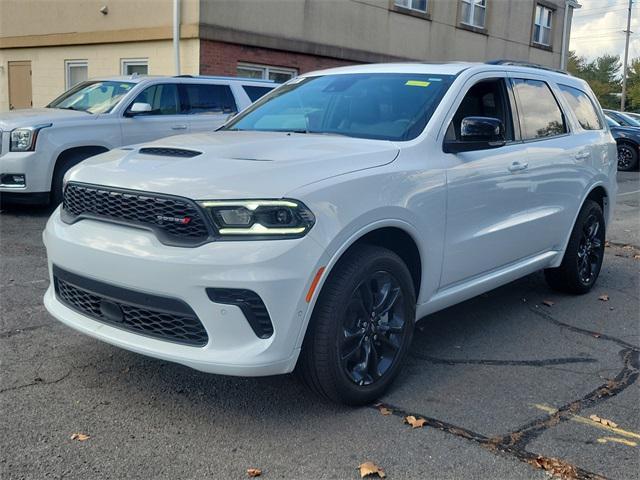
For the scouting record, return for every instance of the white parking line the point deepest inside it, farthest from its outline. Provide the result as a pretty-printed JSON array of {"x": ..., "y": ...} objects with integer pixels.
[{"x": 628, "y": 193}]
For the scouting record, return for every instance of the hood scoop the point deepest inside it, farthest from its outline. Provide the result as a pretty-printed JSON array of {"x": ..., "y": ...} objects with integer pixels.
[{"x": 169, "y": 152}]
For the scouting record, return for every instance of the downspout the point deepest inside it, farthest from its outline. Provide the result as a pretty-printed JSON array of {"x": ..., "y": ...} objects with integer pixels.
[
  {"x": 569, "y": 5},
  {"x": 176, "y": 35}
]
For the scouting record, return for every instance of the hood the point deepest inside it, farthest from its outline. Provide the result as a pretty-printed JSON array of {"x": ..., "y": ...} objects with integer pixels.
[
  {"x": 35, "y": 116},
  {"x": 235, "y": 165}
]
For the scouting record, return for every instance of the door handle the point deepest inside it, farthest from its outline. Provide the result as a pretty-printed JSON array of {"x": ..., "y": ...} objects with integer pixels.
[
  {"x": 517, "y": 166},
  {"x": 179, "y": 127},
  {"x": 581, "y": 156}
]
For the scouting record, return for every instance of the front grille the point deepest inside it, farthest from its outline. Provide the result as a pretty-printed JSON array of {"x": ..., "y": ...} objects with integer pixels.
[
  {"x": 158, "y": 317},
  {"x": 169, "y": 152},
  {"x": 249, "y": 303},
  {"x": 175, "y": 220}
]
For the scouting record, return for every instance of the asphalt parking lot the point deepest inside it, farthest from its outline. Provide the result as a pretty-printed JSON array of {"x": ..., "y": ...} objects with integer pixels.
[{"x": 507, "y": 382}]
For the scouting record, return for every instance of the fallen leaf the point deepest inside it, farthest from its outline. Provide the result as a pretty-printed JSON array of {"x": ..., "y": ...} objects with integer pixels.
[
  {"x": 597, "y": 335},
  {"x": 370, "y": 468},
  {"x": 604, "y": 298},
  {"x": 636, "y": 256},
  {"x": 254, "y": 472},
  {"x": 415, "y": 422},
  {"x": 81, "y": 437},
  {"x": 607, "y": 244},
  {"x": 384, "y": 410},
  {"x": 554, "y": 466},
  {"x": 548, "y": 303},
  {"x": 627, "y": 247},
  {"x": 603, "y": 421}
]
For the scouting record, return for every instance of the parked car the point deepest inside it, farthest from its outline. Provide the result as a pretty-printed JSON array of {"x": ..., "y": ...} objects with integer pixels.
[
  {"x": 628, "y": 144},
  {"x": 635, "y": 116},
  {"x": 314, "y": 228},
  {"x": 622, "y": 118},
  {"x": 39, "y": 145}
]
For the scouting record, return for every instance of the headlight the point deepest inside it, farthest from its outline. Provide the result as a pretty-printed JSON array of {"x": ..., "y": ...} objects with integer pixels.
[
  {"x": 260, "y": 218},
  {"x": 24, "y": 139}
]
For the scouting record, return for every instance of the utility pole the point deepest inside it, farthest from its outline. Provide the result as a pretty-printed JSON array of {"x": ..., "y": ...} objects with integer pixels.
[
  {"x": 626, "y": 58},
  {"x": 176, "y": 36}
]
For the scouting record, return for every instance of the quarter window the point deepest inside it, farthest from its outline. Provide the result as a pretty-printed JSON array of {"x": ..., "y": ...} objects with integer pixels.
[
  {"x": 163, "y": 99},
  {"x": 204, "y": 98},
  {"x": 76, "y": 72},
  {"x": 540, "y": 114},
  {"x": 254, "y": 93},
  {"x": 473, "y": 12},
  {"x": 417, "y": 5},
  {"x": 265, "y": 72},
  {"x": 542, "y": 25},
  {"x": 582, "y": 106}
]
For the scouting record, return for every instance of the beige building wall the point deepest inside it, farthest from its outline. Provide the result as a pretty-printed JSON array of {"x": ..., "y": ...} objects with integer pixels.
[
  {"x": 48, "y": 63},
  {"x": 370, "y": 30}
]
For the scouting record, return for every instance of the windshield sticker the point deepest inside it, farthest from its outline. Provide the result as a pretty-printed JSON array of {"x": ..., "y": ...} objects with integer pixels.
[{"x": 417, "y": 83}]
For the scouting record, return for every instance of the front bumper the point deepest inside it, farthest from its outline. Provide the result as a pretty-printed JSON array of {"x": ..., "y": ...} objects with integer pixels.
[
  {"x": 34, "y": 166},
  {"x": 279, "y": 271}
]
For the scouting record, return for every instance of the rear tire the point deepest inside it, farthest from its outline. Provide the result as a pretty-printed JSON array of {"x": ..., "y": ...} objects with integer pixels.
[
  {"x": 627, "y": 157},
  {"x": 361, "y": 327},
  {"x": 583, "y": 257}
]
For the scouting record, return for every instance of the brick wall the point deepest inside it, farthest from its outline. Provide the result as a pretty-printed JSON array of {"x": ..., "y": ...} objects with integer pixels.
[{"x": 219, "y": 58}]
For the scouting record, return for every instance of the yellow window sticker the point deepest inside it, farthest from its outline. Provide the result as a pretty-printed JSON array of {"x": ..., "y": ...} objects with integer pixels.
[{"x": 417, "y": 83}]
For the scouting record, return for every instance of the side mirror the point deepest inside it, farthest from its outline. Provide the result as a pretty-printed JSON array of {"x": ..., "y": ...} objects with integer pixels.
[
  {"x": 477, "y": 133},
  {"x": 138, "y": 108}
]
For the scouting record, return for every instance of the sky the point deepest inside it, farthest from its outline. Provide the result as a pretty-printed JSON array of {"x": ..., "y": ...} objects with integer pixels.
[{"x": 598, "y": 26}]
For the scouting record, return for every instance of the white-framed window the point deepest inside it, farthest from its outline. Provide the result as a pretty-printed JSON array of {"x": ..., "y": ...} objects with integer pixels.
[
  {"x": 542, "y": 25},
  {"x": 417, "y": 5},
  {"x": 130, "y": 66},
  {"x": 277, "y": 74},
  {"x": 76, "y": 71},
  {"x": 473, "y": 12}
]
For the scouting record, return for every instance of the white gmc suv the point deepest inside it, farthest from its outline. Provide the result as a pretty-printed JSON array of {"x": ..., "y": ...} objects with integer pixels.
[
  {"x": 38, "y": 146},
  {"x": 314, "y": 228}
]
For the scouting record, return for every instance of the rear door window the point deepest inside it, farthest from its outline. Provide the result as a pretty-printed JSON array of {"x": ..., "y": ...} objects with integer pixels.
[
  {"x": 200, "y": 98},
  {"x": 539, "y": 112},
  {"x": 254, "y": 93},
  {"x": 583, "y": 107}
]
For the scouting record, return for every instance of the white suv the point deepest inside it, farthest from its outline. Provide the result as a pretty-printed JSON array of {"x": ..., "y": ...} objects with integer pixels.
[
  {"x": 38, "y": 146},
  {"x": 314, "y": 228}
]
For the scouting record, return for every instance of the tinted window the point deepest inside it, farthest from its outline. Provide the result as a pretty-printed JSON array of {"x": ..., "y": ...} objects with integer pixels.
[
  {"x": 202, "y": 98},
  {"x": 487, "y": 98},
  {"x": 254, "y": 93},
  {"x": 163, "y": 99},
  {"x": 540, "y": 115},
  {"x": 582, "y": 106},
  {"x": 384, "y": 106}
]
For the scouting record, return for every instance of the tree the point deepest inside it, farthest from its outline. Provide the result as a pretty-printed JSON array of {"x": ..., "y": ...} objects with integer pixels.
[
  {"x": 633, "y": 85},
  {"x": 602, "y": 75}
]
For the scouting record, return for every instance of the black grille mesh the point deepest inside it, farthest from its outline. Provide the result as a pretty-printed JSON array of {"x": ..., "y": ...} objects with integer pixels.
[
  {"x": 175, "y": 327},
  {"x": 169, "y": 152},
  {"x": 176, "y": 220}
]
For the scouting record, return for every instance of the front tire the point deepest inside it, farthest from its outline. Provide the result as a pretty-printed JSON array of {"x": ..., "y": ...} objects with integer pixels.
[
  {"x": 361, "y": 327},
  {"x": 583, "y": 257}
]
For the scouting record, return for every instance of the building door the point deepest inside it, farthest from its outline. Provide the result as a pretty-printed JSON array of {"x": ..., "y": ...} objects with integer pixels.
[{"x": 20, "y": 85}]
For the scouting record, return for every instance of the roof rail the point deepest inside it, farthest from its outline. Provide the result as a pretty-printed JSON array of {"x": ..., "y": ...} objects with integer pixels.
[
  {"x": 518, "y": 63},
  {"x": 220, "y": 77}
]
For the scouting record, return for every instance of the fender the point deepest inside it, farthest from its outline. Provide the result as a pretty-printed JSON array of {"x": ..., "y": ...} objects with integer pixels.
[
  {"x": 608, "y": 213},
  {"x": 330, "y": 258}
]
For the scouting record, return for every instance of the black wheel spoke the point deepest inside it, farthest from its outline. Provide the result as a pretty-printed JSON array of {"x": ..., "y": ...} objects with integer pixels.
[{"x": 372, "y": 328}]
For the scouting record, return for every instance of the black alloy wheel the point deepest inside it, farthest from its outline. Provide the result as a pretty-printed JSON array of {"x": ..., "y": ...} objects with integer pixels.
[
  {"x": 372, "y": 327},
  {"x": 361, "y": 327}
]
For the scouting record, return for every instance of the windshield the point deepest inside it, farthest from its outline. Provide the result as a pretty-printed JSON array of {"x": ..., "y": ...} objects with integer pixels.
[
  {"x": 92, "y": 96},
  {"x": 383, "y": 106}
]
